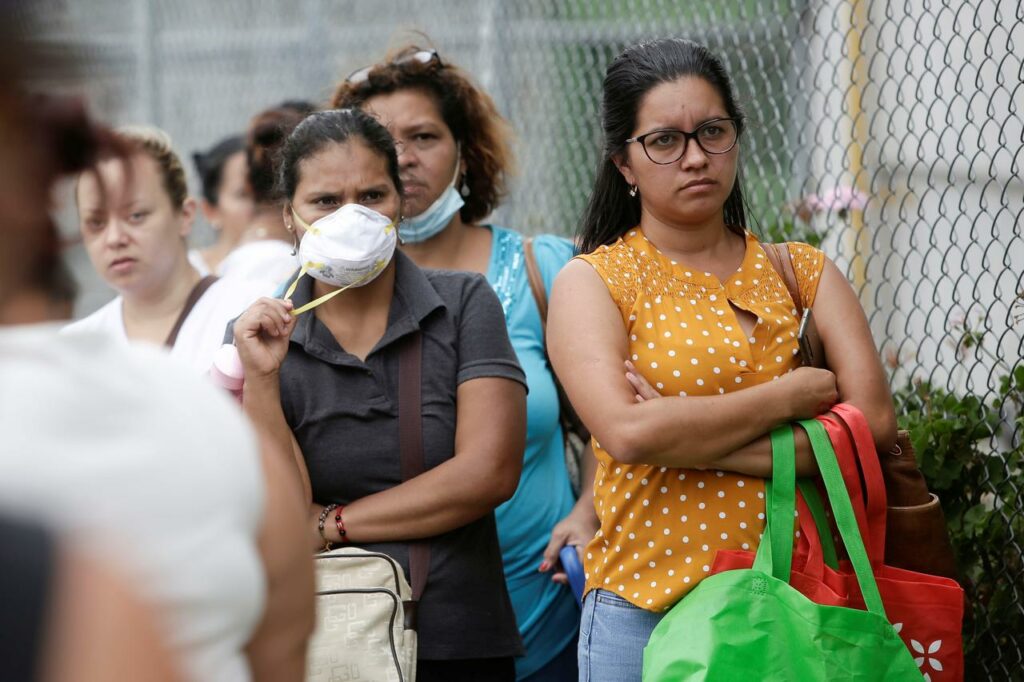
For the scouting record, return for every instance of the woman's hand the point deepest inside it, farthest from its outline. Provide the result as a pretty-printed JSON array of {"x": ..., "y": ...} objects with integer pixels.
[
  {"x": 575, "y": 530},
  {"x": 809, "y": 391},
  {"x": 644, "y": 390},
  {"x": 261, "y": 336}
]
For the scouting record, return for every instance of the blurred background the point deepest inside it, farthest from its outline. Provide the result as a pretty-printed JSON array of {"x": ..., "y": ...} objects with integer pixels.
[{"x": 889, "y": 132}]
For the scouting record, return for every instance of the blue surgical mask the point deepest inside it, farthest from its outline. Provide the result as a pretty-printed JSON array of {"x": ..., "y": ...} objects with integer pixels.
[{"x": 437, "y": 216}]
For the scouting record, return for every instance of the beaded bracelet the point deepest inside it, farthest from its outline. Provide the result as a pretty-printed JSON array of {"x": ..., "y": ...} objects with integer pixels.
[
  {"x": 340, "y": 523},
  {"x": 323, "y": 520}
]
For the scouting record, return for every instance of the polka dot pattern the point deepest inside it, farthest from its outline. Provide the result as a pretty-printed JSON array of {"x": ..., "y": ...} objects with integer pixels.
[{"x": 661, "y": 527}]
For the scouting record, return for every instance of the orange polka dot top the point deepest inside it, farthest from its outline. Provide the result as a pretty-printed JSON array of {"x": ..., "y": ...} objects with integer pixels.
[{"x": 661, "y": 527}]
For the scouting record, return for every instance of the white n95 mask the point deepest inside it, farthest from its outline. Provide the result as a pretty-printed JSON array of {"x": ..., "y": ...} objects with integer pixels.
[{"x": 347, "y": 248}]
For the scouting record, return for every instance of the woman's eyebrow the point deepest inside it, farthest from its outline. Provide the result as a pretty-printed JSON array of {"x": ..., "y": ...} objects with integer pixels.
[
  {"x": 715, "y": 117},
  {"x": 419, "y": 126}
]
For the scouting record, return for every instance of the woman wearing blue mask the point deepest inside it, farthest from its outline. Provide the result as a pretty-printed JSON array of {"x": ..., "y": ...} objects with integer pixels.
[
  {"x": 454, "y": 157},
  {"x": 321, "y": 375}
]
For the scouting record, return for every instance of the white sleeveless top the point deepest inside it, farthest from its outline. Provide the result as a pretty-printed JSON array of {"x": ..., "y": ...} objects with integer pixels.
[{"x": 151, "y": 467}]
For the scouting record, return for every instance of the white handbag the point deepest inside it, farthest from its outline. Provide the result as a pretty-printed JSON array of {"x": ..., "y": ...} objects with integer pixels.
[
  {"x": 366, "y": 610},
  {"x": 360, "y": 632}
]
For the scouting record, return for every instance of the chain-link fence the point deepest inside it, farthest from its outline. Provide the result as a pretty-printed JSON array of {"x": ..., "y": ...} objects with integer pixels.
[{"x": 888, "y": 131}]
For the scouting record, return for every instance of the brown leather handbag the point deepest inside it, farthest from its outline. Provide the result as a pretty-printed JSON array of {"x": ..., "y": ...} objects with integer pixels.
[{"x": 916, "y": 535}]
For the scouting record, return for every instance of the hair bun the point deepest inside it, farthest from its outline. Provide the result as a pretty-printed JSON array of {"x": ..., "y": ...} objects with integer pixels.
[{"x": 268, "y": 134}]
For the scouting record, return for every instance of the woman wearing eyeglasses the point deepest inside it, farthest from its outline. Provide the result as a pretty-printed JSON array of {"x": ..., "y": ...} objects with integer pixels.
[
  {"x": 676, "y": 287},
  {"x": 454, "y": 157}
]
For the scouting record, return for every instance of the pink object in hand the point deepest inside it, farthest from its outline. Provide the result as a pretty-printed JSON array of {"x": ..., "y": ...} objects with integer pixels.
[{"x": 227, "y": 371}]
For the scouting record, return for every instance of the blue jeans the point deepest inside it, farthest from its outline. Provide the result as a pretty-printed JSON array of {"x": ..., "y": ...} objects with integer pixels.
[{"x": 613, "y": 634}]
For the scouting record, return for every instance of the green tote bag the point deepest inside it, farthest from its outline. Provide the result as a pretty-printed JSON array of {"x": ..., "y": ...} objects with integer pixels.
[{"x": 750, "y": 624}]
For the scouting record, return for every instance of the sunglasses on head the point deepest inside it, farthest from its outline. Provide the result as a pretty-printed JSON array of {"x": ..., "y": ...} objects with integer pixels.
[{"x": 421, "y": 56}]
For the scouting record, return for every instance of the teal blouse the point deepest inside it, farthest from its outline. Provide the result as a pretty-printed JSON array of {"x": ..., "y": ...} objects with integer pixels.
[{"x": 546, "y": 612}]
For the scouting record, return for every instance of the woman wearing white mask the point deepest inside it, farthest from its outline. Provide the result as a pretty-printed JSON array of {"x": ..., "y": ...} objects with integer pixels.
[
  {"x": 321, "y": 373},
  {"x": 454, "y": 156}
]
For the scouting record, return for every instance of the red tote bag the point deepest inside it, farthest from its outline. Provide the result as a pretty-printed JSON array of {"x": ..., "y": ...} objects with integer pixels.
[{"x": 926, "y": 610}]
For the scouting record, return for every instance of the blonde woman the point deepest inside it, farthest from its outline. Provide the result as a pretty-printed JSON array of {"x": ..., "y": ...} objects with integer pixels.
[{"x": 135, "y": 215}]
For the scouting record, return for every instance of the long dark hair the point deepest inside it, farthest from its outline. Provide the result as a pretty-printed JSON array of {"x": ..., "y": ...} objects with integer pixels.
[
  {"x": 611, "y": 211},
  {"x": 337, "y": 125}
]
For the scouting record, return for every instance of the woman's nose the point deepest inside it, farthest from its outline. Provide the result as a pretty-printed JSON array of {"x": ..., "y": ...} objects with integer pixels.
[
  {"x": 693, "y": 156},
  {"x": 116, "y": 234},
  {"x": 406, "y": 154}
]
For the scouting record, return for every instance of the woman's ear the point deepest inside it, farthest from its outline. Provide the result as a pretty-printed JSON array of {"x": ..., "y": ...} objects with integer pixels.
[
  {"x": 188, "y": 216},
  {"x": 622, "y": 163},
  {"x": 286, "y": 217}
]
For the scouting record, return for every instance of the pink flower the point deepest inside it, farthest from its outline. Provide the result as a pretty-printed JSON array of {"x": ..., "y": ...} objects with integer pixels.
[{"x": 838, "y": 199}]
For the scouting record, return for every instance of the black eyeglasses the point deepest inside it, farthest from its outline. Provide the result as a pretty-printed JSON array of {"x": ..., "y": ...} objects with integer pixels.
[
  {"x": 666, "y": 146},
  {"x": 422, "y": 56}
]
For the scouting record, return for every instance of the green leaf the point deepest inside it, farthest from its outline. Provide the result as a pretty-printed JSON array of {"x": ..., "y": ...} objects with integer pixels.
[{"x": 975, "y": 519}]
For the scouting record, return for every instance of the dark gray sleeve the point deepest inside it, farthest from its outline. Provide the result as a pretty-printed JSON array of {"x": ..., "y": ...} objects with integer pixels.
[{"x": 484, "y": 346}]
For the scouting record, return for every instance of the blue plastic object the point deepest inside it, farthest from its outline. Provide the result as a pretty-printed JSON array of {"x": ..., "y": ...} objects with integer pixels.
[{"x": 573, "y": 567}]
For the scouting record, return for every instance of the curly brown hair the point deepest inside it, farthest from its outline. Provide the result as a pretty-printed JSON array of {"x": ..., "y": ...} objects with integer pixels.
[{"x": 483, "y": 134}]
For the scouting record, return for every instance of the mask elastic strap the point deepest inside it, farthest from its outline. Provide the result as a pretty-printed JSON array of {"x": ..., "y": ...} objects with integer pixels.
[{"x": 328, "y": 296}]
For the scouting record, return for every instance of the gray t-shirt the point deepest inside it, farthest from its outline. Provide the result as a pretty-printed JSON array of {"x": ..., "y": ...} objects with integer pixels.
[{"x": 344, "y": 413}]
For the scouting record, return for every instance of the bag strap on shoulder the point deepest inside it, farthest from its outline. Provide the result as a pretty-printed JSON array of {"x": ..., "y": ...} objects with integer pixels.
[
  {"x": 536, "y": 282},
  {"x": 193, "y": 297},
  {"x": 782, "y": 260},
  {"x": 410, "y": 446},
  {"x": 567, "y": 413}
]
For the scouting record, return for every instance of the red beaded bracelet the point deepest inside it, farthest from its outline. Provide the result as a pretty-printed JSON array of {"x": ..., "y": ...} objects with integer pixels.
[{"x": 340, "y": 523}]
